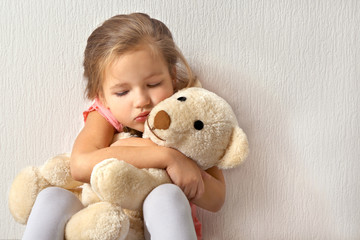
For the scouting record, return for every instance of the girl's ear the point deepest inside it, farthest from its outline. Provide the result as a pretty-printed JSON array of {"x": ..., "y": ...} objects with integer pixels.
[
  {"x": 102, "y": 99},
  {"x": 174, "y": 84},
  {"x": 173, "y": 75}
]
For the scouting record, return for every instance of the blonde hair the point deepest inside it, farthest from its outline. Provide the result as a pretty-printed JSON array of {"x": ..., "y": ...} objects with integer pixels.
[{"x": 124, "y": 33}]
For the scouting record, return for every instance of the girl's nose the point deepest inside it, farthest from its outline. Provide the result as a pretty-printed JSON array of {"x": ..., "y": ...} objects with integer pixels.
[{"x": 142, "y": 99}]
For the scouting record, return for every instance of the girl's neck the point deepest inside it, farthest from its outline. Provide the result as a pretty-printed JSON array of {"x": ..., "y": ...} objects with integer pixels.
[{"x": 133, "y": 131}]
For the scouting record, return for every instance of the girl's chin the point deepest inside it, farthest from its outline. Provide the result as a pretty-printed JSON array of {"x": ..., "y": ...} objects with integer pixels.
[{"x": 138, "y": 127}]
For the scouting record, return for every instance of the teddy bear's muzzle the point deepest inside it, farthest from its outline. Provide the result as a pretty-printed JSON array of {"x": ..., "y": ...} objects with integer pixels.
[{"x": 162, "y": 120}]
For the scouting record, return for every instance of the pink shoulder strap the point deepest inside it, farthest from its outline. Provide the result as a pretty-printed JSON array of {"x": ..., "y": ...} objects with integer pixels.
[{"x": 106, "y": 113}]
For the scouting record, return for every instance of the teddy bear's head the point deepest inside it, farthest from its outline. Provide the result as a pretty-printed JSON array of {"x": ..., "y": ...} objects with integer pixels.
[{"x": 201, "y": 125}]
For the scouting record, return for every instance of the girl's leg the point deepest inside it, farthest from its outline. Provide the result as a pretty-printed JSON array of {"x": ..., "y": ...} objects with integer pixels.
[
  {"x": 167, "y": 214},
  {"x": 52, "y": 209}
]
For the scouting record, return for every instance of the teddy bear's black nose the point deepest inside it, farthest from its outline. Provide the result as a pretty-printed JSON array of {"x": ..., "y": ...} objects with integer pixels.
[{"x": 162, "y": 120}]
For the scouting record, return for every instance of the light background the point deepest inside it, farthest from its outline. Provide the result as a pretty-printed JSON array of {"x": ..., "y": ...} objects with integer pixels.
[{"x": 290, "y": 70}]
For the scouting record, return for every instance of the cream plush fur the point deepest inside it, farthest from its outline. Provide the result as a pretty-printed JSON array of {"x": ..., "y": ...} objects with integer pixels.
[{"x": 194, "y": 121}]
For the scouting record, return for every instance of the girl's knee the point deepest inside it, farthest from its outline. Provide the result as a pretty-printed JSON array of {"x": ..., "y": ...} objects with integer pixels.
[
  {"x": 50, "y": 191},
  {"x": 166, "y": 194},
  {"x": 52, "y": 209},
  {"x": 59, "y": 197},
  {"x": 167, "y": 214},
  {"x": 54, "y": 193}
]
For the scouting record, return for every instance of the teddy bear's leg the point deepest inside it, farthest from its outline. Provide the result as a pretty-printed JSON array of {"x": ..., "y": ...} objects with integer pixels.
[
  {"x": 118, "y": 182},
  {"x": 23, "y": 192},
  {"x": 99, "y": 221}
]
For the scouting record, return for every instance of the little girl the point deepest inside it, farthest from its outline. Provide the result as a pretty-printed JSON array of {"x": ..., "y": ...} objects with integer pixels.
[{"x": 131, "y": 64}]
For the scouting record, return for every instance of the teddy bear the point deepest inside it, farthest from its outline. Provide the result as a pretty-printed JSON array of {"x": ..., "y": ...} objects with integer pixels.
[{"x": 195, "y": 121}]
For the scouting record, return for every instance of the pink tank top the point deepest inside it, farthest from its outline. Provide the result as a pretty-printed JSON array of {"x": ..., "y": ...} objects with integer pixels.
[{"x": 106, "y": 113}]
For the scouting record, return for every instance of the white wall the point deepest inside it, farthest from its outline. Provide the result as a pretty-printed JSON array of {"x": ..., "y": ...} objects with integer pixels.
[{"x": 290, "y": 69}]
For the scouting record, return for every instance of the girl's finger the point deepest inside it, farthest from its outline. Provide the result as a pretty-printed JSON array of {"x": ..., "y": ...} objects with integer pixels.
[
  {"x": 200, "y": 190},
  {"x": 191, "y": 192}
]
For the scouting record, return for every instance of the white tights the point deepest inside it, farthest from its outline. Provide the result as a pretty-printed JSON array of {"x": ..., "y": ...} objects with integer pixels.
[
  {"x": 167, "y": 214},
  {"x": 52, "y": 209}
]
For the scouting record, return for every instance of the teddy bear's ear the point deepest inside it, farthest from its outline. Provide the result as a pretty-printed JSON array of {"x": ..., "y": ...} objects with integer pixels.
[
  {"x": 197, "y": 83},
  {"x": 236, "y": 151}
]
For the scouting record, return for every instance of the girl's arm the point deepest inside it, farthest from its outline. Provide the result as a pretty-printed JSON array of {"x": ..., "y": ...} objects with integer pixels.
[
  {"x": 213, "y": 197},
  {"x": 92, "y": 147}
]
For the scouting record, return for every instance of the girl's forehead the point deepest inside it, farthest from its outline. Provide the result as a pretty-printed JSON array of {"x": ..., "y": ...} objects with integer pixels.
[
  {"x": 140, "y": 63},
  {"x": 139, "y": 51}
]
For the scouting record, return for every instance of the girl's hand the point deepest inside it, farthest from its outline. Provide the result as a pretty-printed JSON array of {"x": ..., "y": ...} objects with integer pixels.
[{"x": 185, "y": 173}]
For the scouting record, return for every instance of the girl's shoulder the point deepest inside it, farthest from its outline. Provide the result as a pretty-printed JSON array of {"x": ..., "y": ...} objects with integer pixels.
[
  {"x": 104, "y": 112},
  {"x": 97, "y": 132}
]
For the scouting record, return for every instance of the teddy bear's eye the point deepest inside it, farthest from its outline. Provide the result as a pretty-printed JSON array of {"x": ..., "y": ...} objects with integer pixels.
[
  {"x": 198, "y": 125},
  {"x": 182, "y": 99}
]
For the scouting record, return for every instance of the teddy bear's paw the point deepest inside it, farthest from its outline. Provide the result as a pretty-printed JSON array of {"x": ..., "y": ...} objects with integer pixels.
[
  {"x": 136, "y": 231},
  {"x": 88, "y": 195},
  {"x": 135, "y": 234},
  {"x": 57, "y": 172},
  {"x": 99, "y": 221},
  {"x": 118, "y": 182},
  {"x": 23, "y": 192}
]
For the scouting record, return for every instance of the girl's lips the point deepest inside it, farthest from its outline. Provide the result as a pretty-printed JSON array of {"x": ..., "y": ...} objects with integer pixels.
[{"x": 142, "y": 117}]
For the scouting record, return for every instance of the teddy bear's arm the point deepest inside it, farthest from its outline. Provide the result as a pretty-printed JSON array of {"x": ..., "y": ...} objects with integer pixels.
[{"x": 121, "y": 183}]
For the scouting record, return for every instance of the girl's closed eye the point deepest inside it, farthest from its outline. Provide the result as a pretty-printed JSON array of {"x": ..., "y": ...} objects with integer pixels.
[
  {"x": 122, "y": 93},
  {"x": 155, "y": 84}
]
